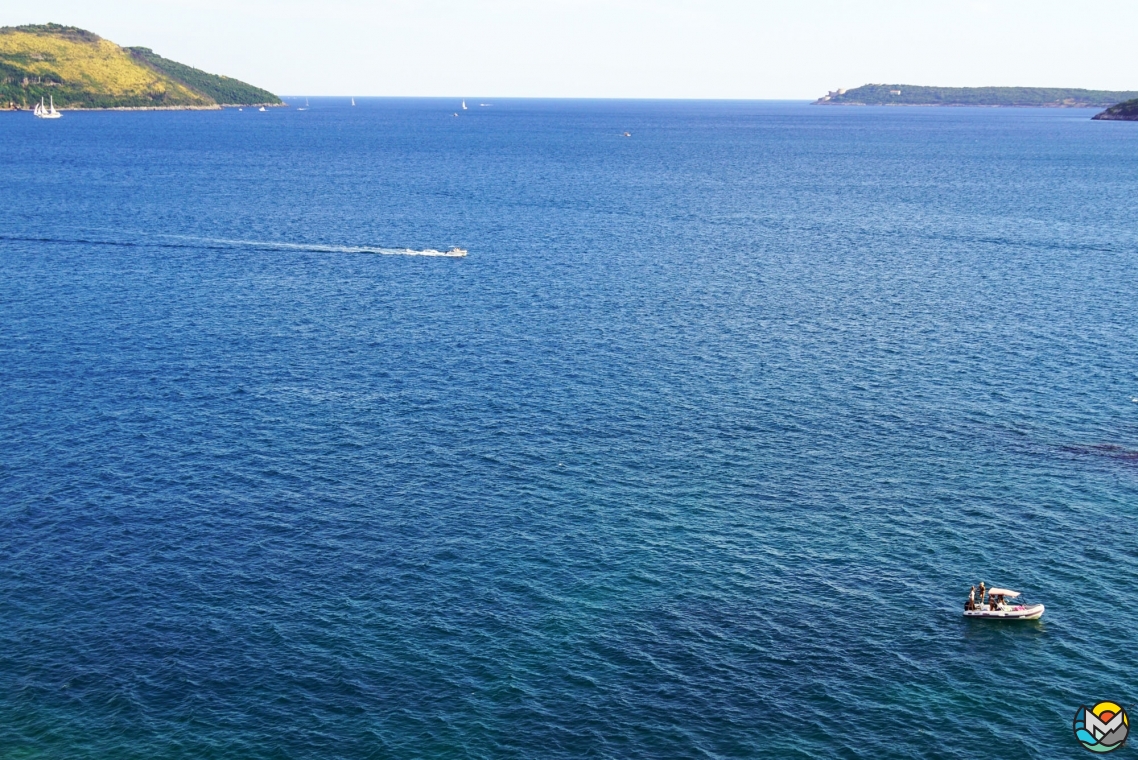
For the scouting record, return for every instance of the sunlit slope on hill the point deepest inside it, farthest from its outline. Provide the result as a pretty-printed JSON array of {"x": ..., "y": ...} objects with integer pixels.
[{"x": 79, "y": 69}]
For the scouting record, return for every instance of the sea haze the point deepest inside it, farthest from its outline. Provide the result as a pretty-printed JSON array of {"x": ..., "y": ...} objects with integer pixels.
[{"x": 695, "y": 454}]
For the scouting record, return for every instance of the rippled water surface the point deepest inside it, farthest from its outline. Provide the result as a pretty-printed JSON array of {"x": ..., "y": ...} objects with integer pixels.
[{"x": 695, "y": 454}]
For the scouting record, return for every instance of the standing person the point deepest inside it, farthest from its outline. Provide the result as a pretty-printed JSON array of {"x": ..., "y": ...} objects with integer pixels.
[
  {"x": 971, "y": 599},
  {"x": 981, "y": 593}
]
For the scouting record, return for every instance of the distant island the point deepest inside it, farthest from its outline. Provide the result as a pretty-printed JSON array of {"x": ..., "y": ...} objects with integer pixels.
[
  {"x": 1022, "y": 97},
  {"x": 79, "y": 69},
  {"x": 1127, "y": 111}
]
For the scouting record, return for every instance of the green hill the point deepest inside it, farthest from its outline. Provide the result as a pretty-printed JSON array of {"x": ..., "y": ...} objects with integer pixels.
[
  {"x": 224, "y": 90},
  {"x": 1127, "y": 111},
  {"x": 911, "y": 95},
  {"x": 79, "y": 69}
]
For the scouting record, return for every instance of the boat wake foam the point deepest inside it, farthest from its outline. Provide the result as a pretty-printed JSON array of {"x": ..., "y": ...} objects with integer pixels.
[
  {"x": 319, "y": 248},
  {"x": 183, "y": 241}
]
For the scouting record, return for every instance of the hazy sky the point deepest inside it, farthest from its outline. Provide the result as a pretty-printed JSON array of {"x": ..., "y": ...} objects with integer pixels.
[{"x": 620, "y": 48}]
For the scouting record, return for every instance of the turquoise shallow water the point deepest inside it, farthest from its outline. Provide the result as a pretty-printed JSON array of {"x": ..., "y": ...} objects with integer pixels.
[{"x": 695, "y": 454}]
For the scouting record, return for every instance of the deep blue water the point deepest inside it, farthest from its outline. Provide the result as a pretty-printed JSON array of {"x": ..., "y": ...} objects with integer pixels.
[{"x": 696, "y": 454}]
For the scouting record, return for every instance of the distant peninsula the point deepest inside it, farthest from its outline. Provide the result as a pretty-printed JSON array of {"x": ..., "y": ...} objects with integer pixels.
[
  {"x": 79, "y": 69},
  {"x": 1127, "y": 111},
  {"x": 990, "y": 97}
]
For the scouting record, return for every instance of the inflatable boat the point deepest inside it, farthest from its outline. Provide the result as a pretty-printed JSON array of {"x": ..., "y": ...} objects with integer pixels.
[{"x": 1003, "y": 609}]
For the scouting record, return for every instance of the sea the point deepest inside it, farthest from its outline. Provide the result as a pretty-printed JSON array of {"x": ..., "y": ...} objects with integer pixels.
[{"x": 696, "y": 452}]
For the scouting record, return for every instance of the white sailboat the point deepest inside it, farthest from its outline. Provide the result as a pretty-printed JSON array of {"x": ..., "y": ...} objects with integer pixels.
[
  {"x": 47, "y": 113},
  {"x": 305, "y": 106},
  {"x": 464, "y": 105},
  {"x": 353, "y": 101}
]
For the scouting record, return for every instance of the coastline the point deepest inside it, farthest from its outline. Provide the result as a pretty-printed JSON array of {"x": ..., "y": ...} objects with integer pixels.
[
  {"x": 216, "y": 107},
  {"x": 945, "y": 105},
  {"x": 974, "y": 97}
]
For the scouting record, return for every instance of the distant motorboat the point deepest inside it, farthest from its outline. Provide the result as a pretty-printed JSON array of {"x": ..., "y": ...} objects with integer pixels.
[
  {"x": 42, "y": 112},
  {"x": 262, "y": 108},
  {"x": 997, "y": 607}
]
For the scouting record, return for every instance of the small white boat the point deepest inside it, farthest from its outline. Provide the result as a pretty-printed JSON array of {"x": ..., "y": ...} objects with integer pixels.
[
  {"x": 262, "y": 108},
  {"x": 1001, "y": 609},
  {"x": 42, "y": 112},
  {"x": 353, "y": 101},
  {"x": 305, "y": 106},
  {"x": 464, "y": 105}
]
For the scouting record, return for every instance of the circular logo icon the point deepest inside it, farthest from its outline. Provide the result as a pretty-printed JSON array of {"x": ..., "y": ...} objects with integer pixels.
[{"x": 1102, "y": 728}]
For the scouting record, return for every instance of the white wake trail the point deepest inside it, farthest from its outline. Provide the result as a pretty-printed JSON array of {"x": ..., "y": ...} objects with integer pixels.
[{"x": 452, "y": 253}]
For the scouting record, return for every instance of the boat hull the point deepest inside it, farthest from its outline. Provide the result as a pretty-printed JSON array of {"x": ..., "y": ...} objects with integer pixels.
[{"x": 1018, "y": 612}]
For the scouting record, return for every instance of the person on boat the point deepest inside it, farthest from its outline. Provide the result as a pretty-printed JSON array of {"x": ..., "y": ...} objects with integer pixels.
[
  {"x": 981, "y": 593},
  {"x": 971, "y": 605},
  {"x": 992, "y": 602}
]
